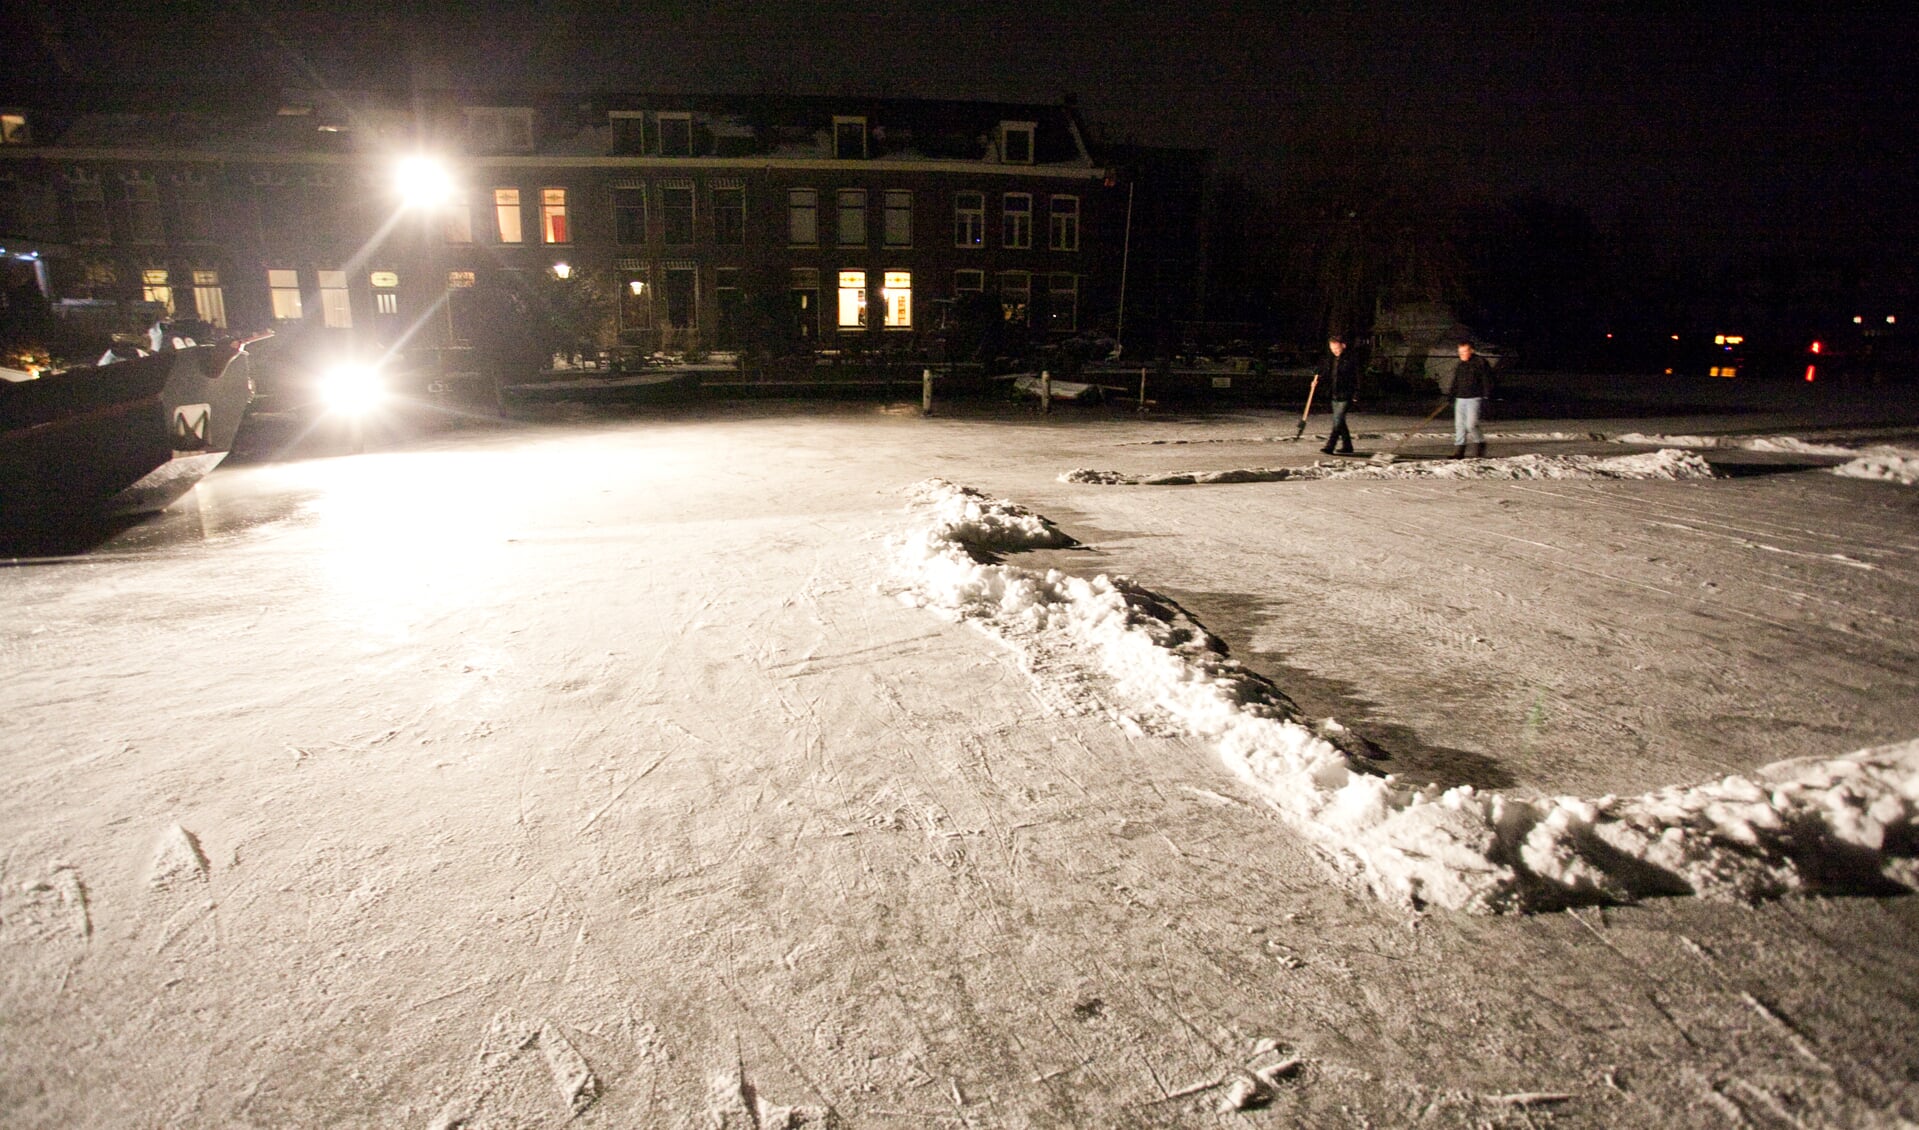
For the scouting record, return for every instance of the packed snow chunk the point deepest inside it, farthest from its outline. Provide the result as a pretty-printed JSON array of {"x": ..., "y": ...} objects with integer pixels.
[
  {"x": 1833, "y": 824},
  {"x": 1901, "y": 469},
  {"x": 966, "y": 516},
  {"x": 177, "y": 858}
]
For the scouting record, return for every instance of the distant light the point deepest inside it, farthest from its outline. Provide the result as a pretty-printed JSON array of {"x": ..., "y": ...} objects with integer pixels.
[
  {"x": 1810, "y": 370},
  {"x": 1608, "y": 337},
  {"x": 1675, "y": 337},
  {"x": 1735, "y": 339},
  {"x": 1817, "y": 347},
  {"x": 636, "y": 286},
  {"x": 1890, "y": 320},
  {"x": 423, "y": 182},
  {"x": 562, "y": 270},
  {"x": 1857, "y": 320}
]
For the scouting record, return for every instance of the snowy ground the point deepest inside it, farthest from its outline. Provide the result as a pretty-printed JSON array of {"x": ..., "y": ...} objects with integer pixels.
[{"x": 663, "y": 769}]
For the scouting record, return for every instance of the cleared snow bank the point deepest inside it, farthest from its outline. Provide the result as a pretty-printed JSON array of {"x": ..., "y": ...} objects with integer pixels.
[
  {"x": 1817, "y": 824},
  {"x": 1885, "y": 462},
  {"x": 1664, "y": 464}
]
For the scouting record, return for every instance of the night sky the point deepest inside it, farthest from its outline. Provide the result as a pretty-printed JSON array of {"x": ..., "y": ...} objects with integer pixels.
[{"x": 1766, "y": 127}]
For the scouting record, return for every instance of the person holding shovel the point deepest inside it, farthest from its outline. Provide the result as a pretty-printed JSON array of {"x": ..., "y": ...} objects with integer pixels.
[
  {"x": 1472, "y": 384},
  {"x": 1340, "y": 371}
]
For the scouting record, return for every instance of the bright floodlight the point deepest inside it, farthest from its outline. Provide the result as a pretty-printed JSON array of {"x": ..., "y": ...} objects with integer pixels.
[
  {"x": 352, "y": 390},
  {"x": 423, "y": 181}
]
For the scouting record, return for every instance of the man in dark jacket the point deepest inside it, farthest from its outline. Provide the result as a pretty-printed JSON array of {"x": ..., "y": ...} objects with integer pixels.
[
  {"x": 1472, "y": 384},
  {"x": 1339, "y": 371}
]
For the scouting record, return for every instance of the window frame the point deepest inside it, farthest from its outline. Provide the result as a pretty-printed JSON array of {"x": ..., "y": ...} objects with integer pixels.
[
  {"x": 795, "y": 209},
  {"x": 680, "y": 118},
  {"x": 840, "y": 122},
  {"x": 729, "y": 219},
  {"x": 505, "y": 210},
  {"x": 1062, "y": 227},
  {"x": 1016, "y": 225},
  {"x": 896, "y": 218},
  {"x": 1009, "y": 129},
  {"x": 629, "y": 206},
  {"x": 669, "y": 214},
  {"x": 554, "y": 228},
  {"x": 849, "y": 204},
  {"x": 283, "y": 294},
  {"x": 967, "y": 219}
]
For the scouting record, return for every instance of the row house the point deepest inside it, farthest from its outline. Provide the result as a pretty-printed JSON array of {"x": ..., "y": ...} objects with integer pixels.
[{"x": 822, "y": 222}]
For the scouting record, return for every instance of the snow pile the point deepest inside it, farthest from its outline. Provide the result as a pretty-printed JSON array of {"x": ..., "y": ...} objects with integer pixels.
[
  {"x": 1885, "y": 462},
  {"x": 1895, "y": 468},
  {"x": 1843, "y": 823},
  {"x": 1667, "y": 463}
]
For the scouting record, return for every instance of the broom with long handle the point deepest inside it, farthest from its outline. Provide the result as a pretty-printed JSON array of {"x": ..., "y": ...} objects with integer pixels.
[{"x": 1389, "y": 456}]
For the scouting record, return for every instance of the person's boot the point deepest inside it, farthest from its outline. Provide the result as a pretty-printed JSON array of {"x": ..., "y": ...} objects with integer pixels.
[
  {"x": 1346, "y": 448},
  {"x": 1459, "y": 451},
  {"x": 1479, "y": 450},
  {"x": 1328, "y": 449}
]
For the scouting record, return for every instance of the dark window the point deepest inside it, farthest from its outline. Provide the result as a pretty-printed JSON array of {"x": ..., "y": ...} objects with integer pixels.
[
  {"x": 729, "y": 303},
  {"x": 729, "y": 216},
  {"x": 676, "y": 215},
  {"x": 629, "y": 214},
  {"x": 676, "y": 135},
  {"x": 682, "y": 287}
]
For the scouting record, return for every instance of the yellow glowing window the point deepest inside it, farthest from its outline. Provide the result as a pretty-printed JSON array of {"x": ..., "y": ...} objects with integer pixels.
[{"x": 852, "y": 305}]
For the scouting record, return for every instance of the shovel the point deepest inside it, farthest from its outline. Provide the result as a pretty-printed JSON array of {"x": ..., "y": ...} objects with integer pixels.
[
  {"x": 1306, "y": 411},
  {"x": 1384, "y": 457}
]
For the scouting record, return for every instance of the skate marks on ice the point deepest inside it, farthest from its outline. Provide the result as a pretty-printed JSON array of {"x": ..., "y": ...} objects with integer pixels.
[
  {"x": 1885, "y": 462},
  {"x": 1839, "y": 824},
  {"x": 1664, "y": 464},
  {"x": 509, "y": 1085}
]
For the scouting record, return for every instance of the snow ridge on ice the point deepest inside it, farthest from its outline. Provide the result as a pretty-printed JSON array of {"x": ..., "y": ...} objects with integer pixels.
[
  {"x": 1817, "y": 824},
  {"x": 1664, "y": 464},
  {"x": 1885, "y": 462}
]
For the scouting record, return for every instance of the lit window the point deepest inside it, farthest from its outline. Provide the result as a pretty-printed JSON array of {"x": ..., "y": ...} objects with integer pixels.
[
  {"x": 284, "y": 286},
  {"x": 676, "y": 135},
  {"x": 629, "y": 215},
  {"x": 729, "y": 215},
  {"x": 899, "y": 217},
  {"x": 1015, "y": 296},
  {"x": 209, "y": 299},
  {"x": 676, "y": 213},
  {"x": 1062, "y": 225},
  {"x": 459, "y": 280},
  {"x": 849, "y": 138},
  {"x": 1016, "y": 213},
  {"x": 898, "y": 296},
  {"x": 154, "y": 287},
  {"x": 143, "y": 209},
  {"x": 386, "y": 292},
  {"x": 1016, "y": 142},
  {"x": 13, "y": 129},
  {"x": 1062, "y": 303},
  {"x": 802, "y": 217},
  {"x": 553, "y": 227},
  {"x": 969, "y": 219},
  {"x": 335, "y": 311},
  {"x": 852, "y": 300},
  {"x": 506, "y": 213}
]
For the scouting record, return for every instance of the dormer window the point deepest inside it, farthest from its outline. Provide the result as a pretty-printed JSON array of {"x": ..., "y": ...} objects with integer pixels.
[
  {"x": 676, "y": 135},
  {"x": 1016, "y": 142},
  {"x": 499, "y": 129},
  {"x": 849, "y": 138},
  {"x": 629, "y": 131}
]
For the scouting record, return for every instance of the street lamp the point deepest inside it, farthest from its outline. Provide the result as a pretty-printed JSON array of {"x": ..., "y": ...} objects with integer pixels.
[{"x": 423, "y": 181}]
